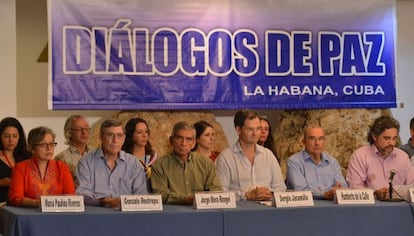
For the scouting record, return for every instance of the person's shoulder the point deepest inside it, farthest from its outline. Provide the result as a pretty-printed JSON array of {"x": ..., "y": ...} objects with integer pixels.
[
  {"x": 22, "y": 164},
  {"x": 266, "y": 152},
  {"x": 200, "y": 157},
  {"x": 362, "y": 149},
  {"x": 226, "y": 152},
  {"x": 331, "y": 159},
  {"x": 59, "y": 163},
  {"x": 92, "y": 155},
  {"x": 401, "y": 153},
  {"x": 261, "y": 148},
  {"x": 295, "y": 159},
  {"x": 61, "y": 155},
  {"x": 295, "y": 156},
  {"x": 94, "y": 152},
  {"x": 127, "y": 156},
  {"x": 404, "y": 146},
  {"x": 162, "y": 159}
]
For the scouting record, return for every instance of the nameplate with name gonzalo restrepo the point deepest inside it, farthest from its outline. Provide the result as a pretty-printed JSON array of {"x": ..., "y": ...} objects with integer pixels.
[
  {"x": 293, "y": 198},
  {"x": 149, "y": 202},
  {"x": 62, "y": 203},
  {"x": 355, "y": 196}
]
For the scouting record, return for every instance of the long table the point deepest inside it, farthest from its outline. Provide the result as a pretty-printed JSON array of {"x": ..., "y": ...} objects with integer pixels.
[
  {"x": 101, "y": 221},
  {"x": 249, "y": 218}
]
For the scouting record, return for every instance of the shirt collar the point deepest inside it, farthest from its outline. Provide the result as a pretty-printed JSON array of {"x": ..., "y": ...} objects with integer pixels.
[
  {"x": 72, "y": 149},
  {"x": 237, "y": 148},
  {"x": 99, "y": 153},
  {"x": 409, "y": 143},
  {"x": 374, "y": 149},
  {"x": 178, "y": 159},
  {"x": 306, "y": 157}
]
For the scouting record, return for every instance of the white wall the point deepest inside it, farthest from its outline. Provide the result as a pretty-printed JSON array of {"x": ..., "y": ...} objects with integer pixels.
[
  {"x": 8, "y": 93},
  {"x": 405, "y": 66}
]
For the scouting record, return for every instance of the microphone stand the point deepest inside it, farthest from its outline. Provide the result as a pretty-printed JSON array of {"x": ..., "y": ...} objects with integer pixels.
[{"x": 390, "y": 190}]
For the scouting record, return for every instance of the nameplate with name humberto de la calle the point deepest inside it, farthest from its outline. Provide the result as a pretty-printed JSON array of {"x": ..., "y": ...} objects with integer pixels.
[
  {"x": 355, "y": 196},
  {"x": 149, "y": 202},
  {"x": 62, "y": 203},
  {"x": 214, "y": 200},
  {"x": 293, "y": 198}
]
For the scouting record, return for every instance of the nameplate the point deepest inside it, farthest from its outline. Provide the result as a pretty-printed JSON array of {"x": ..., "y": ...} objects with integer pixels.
[
  {"x": 62, "y": 203},
  {"x": 150, "y": 202},
  {"x": 411, "y": 194},
  {"x": 355, "y": 196},
  {"x": 214, "y": 200},
  {"x": 293, "y": 199}
]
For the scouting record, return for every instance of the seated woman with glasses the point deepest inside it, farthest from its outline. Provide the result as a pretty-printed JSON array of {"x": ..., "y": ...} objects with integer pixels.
[{"x": 40, "y": 175}]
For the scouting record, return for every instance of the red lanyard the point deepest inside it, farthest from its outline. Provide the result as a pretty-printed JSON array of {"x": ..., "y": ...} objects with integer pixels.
[{"x": 9, "y": 163}]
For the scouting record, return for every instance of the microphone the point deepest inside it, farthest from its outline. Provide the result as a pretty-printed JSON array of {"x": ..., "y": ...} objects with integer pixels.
[{"x": 392, "y": 174}]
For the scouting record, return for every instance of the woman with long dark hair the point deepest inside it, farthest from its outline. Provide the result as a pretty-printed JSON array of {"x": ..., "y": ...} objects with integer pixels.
[
  {"x": 137, "y": 143},
  {"x": 205, "y": 140},
  {"x": 266, "y": 136},
  {"x": 13, "y": 148}
]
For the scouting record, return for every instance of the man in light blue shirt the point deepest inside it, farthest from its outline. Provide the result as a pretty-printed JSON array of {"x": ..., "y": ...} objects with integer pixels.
[
  {"x": 107, "y": 172},
  {"x": 314, "y": 170},
  {"x": 246, "y": 168}
]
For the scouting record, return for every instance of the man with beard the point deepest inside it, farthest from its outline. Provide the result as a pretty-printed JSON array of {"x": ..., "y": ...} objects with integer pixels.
[{"x": 372, "y": 165}]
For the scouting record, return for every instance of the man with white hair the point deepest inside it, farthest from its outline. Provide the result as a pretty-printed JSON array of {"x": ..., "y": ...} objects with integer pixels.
[{"x": 77, "y": 136}]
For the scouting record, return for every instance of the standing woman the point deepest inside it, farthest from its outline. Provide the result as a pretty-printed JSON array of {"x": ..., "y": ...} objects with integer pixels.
[
  {"x": 41, "y": 174},
  {"x": 266, "y": 136},
  {"x": 205, "y": 138},
  {"x": 137, "y": 143},
  {"x": 13, "y": 149}
]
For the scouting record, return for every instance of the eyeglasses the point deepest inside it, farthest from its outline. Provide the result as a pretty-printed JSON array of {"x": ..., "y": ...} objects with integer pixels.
[
  {"x": 44, "y": 145},
  {"x": 314, "y": 138},
  {"x": 81, "y": 129},
  {"x": 113, "y": 135},
  {"x": 180, "y": 138}
]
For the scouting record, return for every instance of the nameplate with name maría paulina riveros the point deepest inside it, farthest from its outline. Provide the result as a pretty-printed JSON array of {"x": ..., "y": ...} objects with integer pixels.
[{"x": 62, "y": 203}]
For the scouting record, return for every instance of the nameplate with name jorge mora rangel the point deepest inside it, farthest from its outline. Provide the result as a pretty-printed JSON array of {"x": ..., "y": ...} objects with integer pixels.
[
  {"x": 214, "y": 200},
  {"x": 62, "y": 203}
]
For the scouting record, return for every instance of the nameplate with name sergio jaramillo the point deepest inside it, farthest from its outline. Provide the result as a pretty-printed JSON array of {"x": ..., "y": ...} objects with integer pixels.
[
  {"x": 355, "y": 196},
  {"x": 214, "y": 200},
  {"x": 293, "y": 198},
  {"x": 148, "y": 202},
  {"x": 62, "y": 203}
]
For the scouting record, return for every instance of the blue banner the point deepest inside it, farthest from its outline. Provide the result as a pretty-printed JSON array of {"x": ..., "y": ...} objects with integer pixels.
[{"x": 221, "y": 54}]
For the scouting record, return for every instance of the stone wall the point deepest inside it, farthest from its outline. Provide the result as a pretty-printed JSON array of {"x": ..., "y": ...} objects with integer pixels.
[
  {"x": 345, "y": 129},
  {"x": 161, "y": 124}
]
